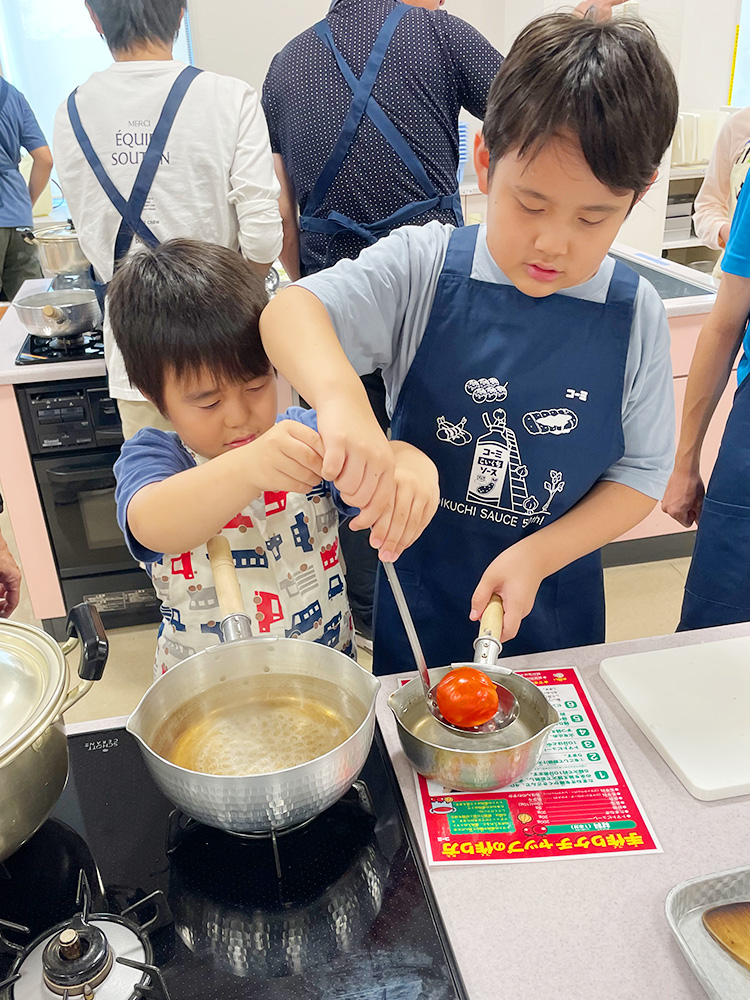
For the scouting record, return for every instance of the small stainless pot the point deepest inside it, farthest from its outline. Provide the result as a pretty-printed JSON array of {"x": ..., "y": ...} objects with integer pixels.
[
  {"x": 59, "y": 249},
  {"x": 63, "y": 314},
  {"x": 33, "y": 747},
  {"x": 471, "y": 764}
]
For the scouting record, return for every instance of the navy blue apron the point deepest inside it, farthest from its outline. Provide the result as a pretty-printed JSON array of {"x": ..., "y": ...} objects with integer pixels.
[
  {"x": 130, "y": 210},
  {"x": 518, "y": 401},
  {"x": 717, "y": 591},
  {"x": 364, "y": 104}
]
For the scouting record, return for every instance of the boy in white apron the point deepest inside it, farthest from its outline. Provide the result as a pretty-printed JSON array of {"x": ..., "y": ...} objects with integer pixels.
[{"x": 185, "y": 316}]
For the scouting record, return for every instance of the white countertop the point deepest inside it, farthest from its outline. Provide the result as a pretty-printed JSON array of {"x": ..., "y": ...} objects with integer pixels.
[
  {"x": 12, "y": 335},
  {"x": 590, "y": 928}
]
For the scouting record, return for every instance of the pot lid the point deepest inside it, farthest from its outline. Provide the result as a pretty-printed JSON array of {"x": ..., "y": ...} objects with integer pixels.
[
  {"x": 33, "y": 675},
  {"x": 56, "y": 234}
]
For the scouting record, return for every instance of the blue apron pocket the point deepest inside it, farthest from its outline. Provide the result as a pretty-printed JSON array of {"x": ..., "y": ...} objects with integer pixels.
[{"x": 717, "y": 591}]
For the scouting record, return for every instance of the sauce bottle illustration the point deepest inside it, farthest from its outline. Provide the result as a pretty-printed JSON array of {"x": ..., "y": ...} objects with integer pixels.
[{"x": 491, "y": 459}]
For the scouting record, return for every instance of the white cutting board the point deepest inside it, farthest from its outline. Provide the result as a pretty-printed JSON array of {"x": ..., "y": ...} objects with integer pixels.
[{"x": 693, "y": 703}]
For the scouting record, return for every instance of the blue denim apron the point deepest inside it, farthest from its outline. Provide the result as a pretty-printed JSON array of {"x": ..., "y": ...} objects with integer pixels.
[
  {"x": 518, "y": 401},
  {"x": 717, "y": 591},
  {"x": 364, "y": 104},
  {"x": 131, "y": 209}
]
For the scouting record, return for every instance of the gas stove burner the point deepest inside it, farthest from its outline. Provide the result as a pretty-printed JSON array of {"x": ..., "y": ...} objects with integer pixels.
[
  {"x": 44, "y": 351},
  {"x": 77, "y": 960},
  {"x": 91, "y": 955}
]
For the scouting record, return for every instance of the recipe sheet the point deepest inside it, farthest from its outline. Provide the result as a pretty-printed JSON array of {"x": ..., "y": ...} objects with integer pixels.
[{"x": 577, "y": 802}]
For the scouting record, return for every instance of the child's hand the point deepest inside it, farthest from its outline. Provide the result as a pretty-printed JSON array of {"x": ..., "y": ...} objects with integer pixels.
[
  {"x": 358, "y": 458},
  {"x": 515, "y": 575},
  {"x": 288, "y": 457},
  {"x": 416, "y": 500}
]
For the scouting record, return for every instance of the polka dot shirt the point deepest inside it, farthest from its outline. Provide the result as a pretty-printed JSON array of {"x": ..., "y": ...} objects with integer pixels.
[{"x": 435, "y": 65}]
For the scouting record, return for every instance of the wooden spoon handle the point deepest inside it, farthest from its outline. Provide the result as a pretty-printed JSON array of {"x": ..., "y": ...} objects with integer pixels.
[
  {"x": 491, "y": 623},
  {"x": 225, "y": 576}
]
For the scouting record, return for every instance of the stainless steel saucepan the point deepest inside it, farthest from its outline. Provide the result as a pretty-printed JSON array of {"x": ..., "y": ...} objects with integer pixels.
[
  {"x": 207, "y": 686},
  {"x": 464, "y": 762},
  {"x": 60, "y": 315}
]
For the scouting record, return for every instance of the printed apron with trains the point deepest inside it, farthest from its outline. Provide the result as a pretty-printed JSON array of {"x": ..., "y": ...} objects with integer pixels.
[
  {"x": 285, "y": 548},
  {"x": 518, "y": 401}
]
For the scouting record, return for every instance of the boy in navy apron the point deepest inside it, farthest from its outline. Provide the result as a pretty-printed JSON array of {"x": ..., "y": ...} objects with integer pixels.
[
  {"x": 531, "y": 367},
  {"x": 185, "y": 316}
]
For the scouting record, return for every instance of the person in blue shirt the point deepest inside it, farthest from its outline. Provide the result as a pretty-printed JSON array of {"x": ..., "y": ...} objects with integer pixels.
[
  {"x": 717, "y": 589},
  {"x": 185, "y": 316},
  {"x": 532, "y": 367},
  {"x": 19, "y": 129}
]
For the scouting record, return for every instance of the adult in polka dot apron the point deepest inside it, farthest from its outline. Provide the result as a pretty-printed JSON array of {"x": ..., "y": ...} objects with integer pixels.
[{"x": 363, "y": 104}]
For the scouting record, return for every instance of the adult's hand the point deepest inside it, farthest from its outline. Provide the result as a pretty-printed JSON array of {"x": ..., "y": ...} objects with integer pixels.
[
  {"x": 10, "y": 581},
  {"x": 683, "y": 497},
  {"x": 600, "y": 10}
]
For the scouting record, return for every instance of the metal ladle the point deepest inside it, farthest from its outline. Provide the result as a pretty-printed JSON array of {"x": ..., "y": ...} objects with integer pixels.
[{"x": 487, "y": 646}]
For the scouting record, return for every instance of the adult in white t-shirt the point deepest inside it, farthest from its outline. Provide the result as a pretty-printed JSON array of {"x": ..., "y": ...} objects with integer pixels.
[{"x": 215, "y": 178}]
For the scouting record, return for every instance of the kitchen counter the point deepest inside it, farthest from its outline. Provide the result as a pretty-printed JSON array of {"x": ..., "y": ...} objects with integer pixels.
[{"x": 588, "y": 928}]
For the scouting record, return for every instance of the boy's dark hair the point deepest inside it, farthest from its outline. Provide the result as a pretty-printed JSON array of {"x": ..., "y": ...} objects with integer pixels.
[
  {"x": 187, "y": 307},
  {"x": 127, "y": 22},
  {"x": 609, "y": 83}
]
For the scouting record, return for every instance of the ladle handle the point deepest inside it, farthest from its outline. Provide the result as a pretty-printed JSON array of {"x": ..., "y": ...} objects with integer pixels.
[
  {"x": 487, "y": 645},
  {"x": 225, "y": 576},
  {"x": 491, "y": 623},
  {"x": 411, "y": 632}
]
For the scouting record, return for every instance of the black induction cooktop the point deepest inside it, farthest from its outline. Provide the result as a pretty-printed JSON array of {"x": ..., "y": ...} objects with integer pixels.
[{"x": 340, "y": 908}]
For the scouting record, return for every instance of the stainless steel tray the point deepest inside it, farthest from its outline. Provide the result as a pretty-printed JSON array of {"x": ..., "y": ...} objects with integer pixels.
[{"x": 721, "y": 976}]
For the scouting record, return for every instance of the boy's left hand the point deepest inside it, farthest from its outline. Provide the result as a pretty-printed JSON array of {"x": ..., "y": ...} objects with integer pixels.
[
  {"x": 602, "y": 9},
  {"x": 515, "y": 575},
  {"x": 416, "y": 498}
]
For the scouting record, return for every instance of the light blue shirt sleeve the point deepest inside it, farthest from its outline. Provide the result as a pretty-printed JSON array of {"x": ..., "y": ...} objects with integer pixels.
[
  {"x": 736, "y": 258},
  {"x": 380, "y": 305},
  {"x": 648, "y": 418}
]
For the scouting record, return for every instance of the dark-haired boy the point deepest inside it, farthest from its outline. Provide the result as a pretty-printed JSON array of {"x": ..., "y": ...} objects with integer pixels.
[
  {"x": 185, "y": 316},
  {"x": 528, "y": 364}
]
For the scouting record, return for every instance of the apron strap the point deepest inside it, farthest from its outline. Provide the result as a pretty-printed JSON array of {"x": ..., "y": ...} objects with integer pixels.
[
  {"x": 361, "y": 95},
  {"x": 371, "y": 232},
  {"x": 130, "y": 210},
  {"x": 459, "y": 258},
  {"x": 623, "y": 286}
]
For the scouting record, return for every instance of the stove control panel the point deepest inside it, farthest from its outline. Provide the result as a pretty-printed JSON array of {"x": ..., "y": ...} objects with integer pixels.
[{"x": 65, "y": 417}]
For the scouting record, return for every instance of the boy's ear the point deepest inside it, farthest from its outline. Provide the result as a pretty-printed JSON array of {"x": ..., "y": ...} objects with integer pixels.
[
  {"x": 645, "y": 190},
  {"x": 481, "y": 162}
]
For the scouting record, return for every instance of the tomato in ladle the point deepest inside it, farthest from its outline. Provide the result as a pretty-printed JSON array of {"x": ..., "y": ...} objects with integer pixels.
[{"x": 466, "y": 697}]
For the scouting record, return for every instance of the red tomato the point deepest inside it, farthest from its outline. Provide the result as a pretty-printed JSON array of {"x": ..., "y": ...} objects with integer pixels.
[{"x": 466, "y": 697}]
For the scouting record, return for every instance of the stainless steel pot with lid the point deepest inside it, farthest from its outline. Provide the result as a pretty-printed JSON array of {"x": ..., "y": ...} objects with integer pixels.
[
  {"x": 59, "y": 249},
  {"x": 35, "y": 695}
]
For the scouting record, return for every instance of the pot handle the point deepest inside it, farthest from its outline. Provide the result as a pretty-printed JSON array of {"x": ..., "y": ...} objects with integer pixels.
[
  {"x": 27, "y": 235},
  {"x": 84, "y": 628},
  {"x": 235, "y": 622}
]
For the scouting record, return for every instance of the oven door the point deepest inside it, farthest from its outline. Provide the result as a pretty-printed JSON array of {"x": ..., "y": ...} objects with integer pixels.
[{"x": 78, "y": 497}]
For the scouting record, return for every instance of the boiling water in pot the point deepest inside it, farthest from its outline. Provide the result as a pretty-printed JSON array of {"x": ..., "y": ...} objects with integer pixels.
[{"x": 261, "y": 726}]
